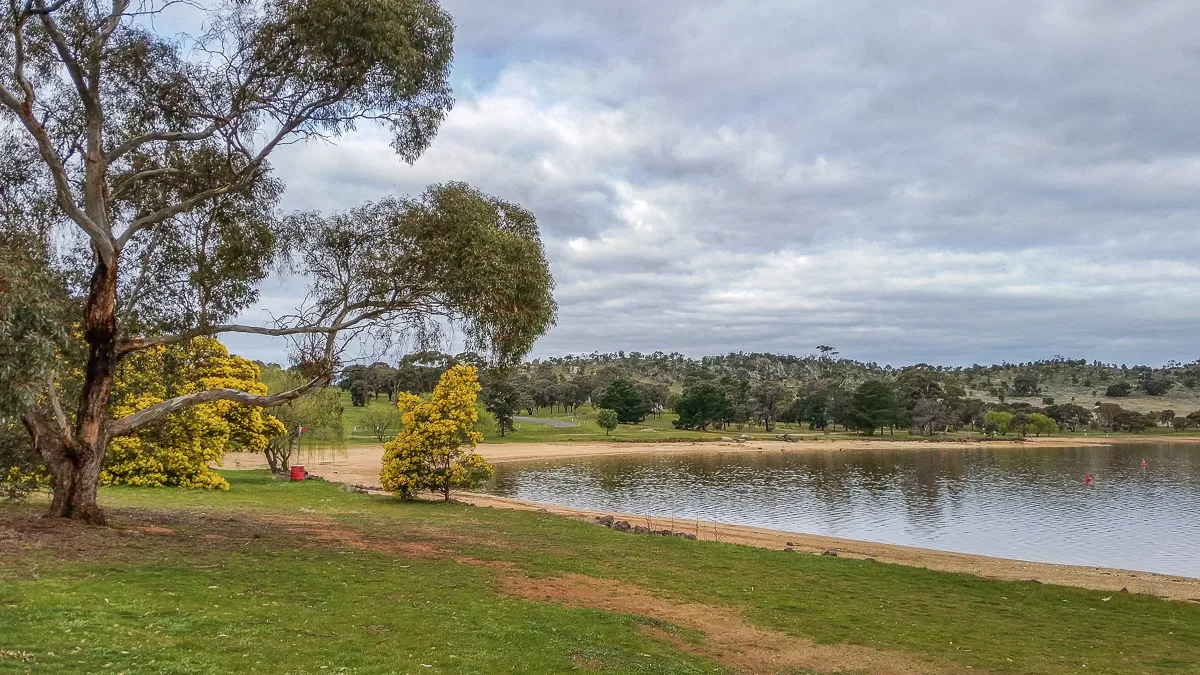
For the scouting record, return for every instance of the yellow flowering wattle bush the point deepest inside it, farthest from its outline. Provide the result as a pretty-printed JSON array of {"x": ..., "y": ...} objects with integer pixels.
[
  {"x": 436, "y": 448},
  {"x": 179, "y": 449}
]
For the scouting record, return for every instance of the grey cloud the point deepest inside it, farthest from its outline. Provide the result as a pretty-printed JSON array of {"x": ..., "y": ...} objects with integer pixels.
[{"x": 947, "y": 182}]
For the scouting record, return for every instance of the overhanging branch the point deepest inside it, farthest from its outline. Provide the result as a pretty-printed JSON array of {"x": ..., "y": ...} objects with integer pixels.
[{"x": 139, "y": 419}]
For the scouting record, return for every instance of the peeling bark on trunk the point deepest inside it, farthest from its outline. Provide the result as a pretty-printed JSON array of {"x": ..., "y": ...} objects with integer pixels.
[
  {"x": 74, "y": 473},
  {"x": 75, "y": 460}
]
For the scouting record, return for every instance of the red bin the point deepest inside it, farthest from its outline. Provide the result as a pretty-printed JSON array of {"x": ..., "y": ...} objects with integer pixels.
[{"x": 297, "y": 472}]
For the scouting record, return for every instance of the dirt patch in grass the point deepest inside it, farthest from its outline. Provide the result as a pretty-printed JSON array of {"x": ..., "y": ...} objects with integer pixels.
[
  {"x": 133, "y": 534},
  {"x": 423, "y": 544},
  {"x": 728, "y": 639}
]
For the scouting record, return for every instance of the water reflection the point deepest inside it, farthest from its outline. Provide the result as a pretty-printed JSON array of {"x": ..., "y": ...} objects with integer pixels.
[{"x": 1026, "y": 503}]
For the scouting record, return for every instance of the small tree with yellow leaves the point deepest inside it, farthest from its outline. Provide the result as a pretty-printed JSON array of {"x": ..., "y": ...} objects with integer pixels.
[
  {"x": 436, "y": 448},
  {"x": 178, "y": 449}
]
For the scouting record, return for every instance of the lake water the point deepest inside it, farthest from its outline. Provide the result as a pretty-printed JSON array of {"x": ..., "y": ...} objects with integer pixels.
[{"x": 1025, "y": 503}]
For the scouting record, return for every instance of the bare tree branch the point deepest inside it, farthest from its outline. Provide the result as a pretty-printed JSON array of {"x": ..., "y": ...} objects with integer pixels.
[
  {"x": 101, "y": 238},
  {"x": 141, "y": 418},
  {"x": 59, "y": 414},
  {"x": 130, "y": 181},
  {"x": 86, "y": 96},
  {"x": 45, "y": 9},
  {"x": 156, "y": 136},
  {"x": 340, "y": 323}
]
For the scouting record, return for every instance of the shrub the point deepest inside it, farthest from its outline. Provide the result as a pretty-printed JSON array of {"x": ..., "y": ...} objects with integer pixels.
[
  {"x": 435, "y": 449},
  {"x": 20, "y": 466},
  {"x": 607, "y": 419},
  {"x": 1118, "y": 390},
  {"x": 1156, "y": 387},
  {"x": 1041, "y": 424}
]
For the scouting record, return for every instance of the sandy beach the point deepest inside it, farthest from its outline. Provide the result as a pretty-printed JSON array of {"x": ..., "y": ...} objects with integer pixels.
[{"x": 360, "y": 465}]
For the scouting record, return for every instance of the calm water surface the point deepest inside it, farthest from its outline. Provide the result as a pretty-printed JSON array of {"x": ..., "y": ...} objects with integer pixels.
[{"x": 1025, "y": 503}]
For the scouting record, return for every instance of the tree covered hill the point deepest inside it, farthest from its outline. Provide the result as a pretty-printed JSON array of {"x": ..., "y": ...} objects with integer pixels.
[
  {"x": 1079, "y": 378},
  {"x": 819, "y": 389}
]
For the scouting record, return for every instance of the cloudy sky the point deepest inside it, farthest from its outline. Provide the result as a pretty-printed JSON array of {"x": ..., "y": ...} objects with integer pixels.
[{"x": 949, "y": 182}]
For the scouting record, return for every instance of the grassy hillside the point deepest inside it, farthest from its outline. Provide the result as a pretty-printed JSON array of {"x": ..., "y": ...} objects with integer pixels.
[{"x": 305, "y": 578}]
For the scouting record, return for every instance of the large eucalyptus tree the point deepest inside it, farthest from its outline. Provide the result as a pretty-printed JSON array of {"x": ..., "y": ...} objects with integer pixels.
[{"x": 141, "y": 161}]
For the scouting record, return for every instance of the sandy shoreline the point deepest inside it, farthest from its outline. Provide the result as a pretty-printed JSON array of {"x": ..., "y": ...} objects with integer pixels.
[{"x": 360, "y": 465}]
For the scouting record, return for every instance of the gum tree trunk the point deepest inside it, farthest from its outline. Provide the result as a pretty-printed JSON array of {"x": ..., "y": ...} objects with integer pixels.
[{"x": 75, "y": 462}]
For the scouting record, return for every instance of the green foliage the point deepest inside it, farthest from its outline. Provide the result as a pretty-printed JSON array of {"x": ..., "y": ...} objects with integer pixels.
[
  {"x": 999, "y": 421},
  {"x": 33, "y": 337},
  {"x": 1129, "y": 420},
  {"x": 20, "y": 467},
  {"x": 504, "y": 396},
  {"x": 1155, "y": 386},
  {"x": 390, "y": 57},
  {"x": 382, "y": 419},
  {"x": 702, "y": 404},
  {"x": 454, "y": 250},
  {"x": 1025, "y": 384},
  {"x": 320, "y": 412},
  {"x": 607, "y": 419},
  {"x": 1042, "y": 425},
  {"x": 1118, "y": 390},
  {"x": 34, "y": 319},
  {"x": 770, "y": 399},
  {"x": 1069, "y": 415},
  {"x": 874, "y": 406},
  {"x": 624, "y": 398}
]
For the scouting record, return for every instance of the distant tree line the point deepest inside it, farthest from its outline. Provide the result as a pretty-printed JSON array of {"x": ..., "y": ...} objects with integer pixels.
[{"x": 822, "y": 391}]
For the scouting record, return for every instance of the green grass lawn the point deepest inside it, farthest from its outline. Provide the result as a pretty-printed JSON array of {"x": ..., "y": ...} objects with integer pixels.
[{"x": 306, "y": 578}]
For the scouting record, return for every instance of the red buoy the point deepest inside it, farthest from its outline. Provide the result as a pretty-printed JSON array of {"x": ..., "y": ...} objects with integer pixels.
[
  {"x": 297, "y": 472},
  {"x": 1143, "y": 465},
  {"x": 1087, "y": 478}
]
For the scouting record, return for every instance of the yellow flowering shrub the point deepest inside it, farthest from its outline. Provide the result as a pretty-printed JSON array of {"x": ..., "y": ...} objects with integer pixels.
[
  {"x": 436, "y": 448},
  {"x": 178, "y": 450}
]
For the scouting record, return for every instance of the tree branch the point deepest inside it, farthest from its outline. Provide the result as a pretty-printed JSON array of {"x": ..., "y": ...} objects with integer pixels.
[
  {"x": 154, "y": 136},
  {"x": 339, "y": 324},
  {"x": 68, "y": 59},
  {"x": 137, "y": 344},
  {"x": 101, "y": 238},
  {"x": 129, "y": 181},
  {"x": 46, "y": 9},
  {"x": 141, "y": 418},
  {"x": 60, "y": 415}
]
